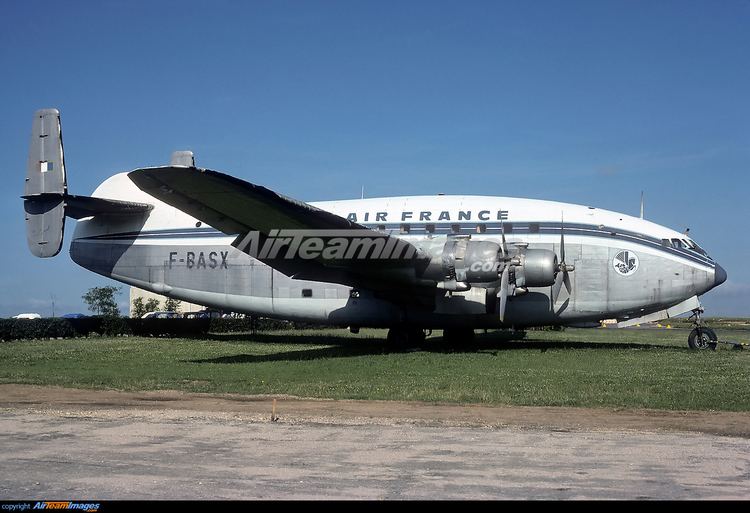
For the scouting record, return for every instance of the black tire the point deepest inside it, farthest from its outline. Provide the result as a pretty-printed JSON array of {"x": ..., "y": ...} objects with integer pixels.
[
  {"x": 458, "y": 336},
  {"x": 417, "y": 337},
  {"x": 702, "y": 338},
  {"x": 397, "y": 337},
  {"x": 402, "y": 337}
]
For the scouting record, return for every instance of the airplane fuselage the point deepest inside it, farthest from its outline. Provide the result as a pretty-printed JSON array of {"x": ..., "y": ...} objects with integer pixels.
[{"x": 625, "y": 267}]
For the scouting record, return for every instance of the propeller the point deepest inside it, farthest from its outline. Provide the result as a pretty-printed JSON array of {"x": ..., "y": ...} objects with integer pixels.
[
  {"x": 562, "y": 277},
  {"x": 502, "y": 292},
  {"x": 504, "y": 283},
  {"x": 504, "y": 247}
]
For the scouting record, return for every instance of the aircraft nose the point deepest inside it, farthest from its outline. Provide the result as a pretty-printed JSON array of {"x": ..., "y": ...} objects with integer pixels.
[{"x": 720, "y": 275}]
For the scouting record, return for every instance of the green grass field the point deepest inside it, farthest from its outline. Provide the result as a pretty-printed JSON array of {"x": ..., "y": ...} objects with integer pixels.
[{"x": 634, "y": 368}]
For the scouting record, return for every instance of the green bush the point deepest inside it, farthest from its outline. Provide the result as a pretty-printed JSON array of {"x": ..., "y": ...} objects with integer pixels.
[
  {"x": 168, "y": 327},
  {"x": 28, "y": 329},
  {"x": 247, "y": 324}
]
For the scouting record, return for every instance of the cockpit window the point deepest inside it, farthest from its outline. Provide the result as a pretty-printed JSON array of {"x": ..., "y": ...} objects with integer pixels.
[
  {"x": 695, "y": 247},
  {"x": 684, "y": 244}
]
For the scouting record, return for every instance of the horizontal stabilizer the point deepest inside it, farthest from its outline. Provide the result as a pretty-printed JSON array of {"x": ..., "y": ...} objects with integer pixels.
[
  {"x": 46, "y": 201},
  {"x": 85, "y": 206},
  {"x": 79, "y": 207}
]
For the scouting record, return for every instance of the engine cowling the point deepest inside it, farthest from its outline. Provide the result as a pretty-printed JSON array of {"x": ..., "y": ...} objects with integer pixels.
[
  {"x": 462, "y": 262},
  {"x": 537, "y": 268},
  {"x": 466, "y": 261}
]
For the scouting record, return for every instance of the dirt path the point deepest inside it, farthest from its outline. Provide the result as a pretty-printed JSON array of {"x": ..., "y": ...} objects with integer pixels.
[
  {"x": 99, "y": 444},
  {"x": 296, "y": 410}
]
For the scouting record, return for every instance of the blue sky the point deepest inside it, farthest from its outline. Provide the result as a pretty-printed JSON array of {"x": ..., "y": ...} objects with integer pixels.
[{"x": 582, "y": 102}]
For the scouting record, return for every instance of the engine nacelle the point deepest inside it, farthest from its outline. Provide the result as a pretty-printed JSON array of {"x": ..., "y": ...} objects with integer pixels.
[
  {"x": 461, "y": 262},
  {"x": 467, "y": 261},
  {"x": 537, "y": 268}
]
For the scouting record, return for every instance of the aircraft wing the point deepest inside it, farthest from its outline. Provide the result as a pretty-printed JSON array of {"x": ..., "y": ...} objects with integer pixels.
[{"x": 240, "y": 208}]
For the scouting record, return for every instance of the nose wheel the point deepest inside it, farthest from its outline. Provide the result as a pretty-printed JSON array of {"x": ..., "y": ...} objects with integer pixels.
[{"x": 702, "y": 338}]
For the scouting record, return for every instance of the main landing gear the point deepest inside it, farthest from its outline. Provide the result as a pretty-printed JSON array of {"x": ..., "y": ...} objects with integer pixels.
[
  {"x": 458, "y": 335},
  {"x": 402, "y": 336}
]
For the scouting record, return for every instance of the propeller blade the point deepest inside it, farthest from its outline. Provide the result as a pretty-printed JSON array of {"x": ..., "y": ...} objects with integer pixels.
[
  {"x": 504, "y": 279},
  {"x": 561, "y": 278},
  {"x": 557, "y": 286},
  {"x": 563, "y": 306},
  {"x": 562, "y": 238},
  {"x": 505, "y": 246}
]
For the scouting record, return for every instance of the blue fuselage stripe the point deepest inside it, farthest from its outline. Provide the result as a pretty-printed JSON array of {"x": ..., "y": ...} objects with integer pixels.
[{"x": 493, "y": 229}]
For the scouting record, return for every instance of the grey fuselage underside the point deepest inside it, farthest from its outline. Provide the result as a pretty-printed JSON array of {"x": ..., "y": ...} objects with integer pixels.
[{"x": 209, "y": 271}]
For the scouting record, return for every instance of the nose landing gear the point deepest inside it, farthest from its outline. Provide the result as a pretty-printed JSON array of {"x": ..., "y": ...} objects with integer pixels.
[{"x": 703, "y": 337}]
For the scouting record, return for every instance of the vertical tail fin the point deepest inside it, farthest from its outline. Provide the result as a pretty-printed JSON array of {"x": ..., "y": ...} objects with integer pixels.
[{"x": 46, "y": 185}]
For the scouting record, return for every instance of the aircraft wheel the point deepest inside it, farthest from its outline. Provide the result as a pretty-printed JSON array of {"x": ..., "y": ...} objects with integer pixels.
[
  {"x": 458, "y": 335},
  {"x": 702, "y": 338},
  {"x": 405, "y": 337}
]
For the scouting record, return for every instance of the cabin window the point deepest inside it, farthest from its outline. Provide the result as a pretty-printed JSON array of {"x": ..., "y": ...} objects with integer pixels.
[
  {"x": 306, "y": 292},
  {"x": 677, "y": 243},
  {"x": 429, "y": 228},
  {"x": 381, "y": 227},
  {"x": 508, "y": 227},
  {"x": 405, "y": 228},
  {"x": 455, "y": 228},
  {"x": 481, "y": 228},
  {"x": 666, "y": 243},
  {"x": 534, "y": 228}
]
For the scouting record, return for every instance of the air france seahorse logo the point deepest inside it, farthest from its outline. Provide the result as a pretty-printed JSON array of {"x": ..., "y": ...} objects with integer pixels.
[{"x": 625, "y": 263}]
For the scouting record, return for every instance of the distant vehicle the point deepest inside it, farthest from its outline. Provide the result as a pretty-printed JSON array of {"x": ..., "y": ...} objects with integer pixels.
[
  {"x": 161, "y": 315},
  {"x": 27, "y": 316},
  {"x": 74, "y": 316},
  {"x": 203, "y": 314}
]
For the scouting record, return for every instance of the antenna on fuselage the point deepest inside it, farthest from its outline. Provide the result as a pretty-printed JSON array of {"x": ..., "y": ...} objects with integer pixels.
[
  {"x": 363, "y": 193},
  {"x": 641, "y": 204}
]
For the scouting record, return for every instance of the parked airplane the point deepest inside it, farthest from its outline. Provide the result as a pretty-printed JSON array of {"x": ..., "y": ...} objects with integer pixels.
[{"x": 406, "y": 263}]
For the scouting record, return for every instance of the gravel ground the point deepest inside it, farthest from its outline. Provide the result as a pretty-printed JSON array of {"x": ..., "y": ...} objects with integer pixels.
[{"x": 82, "y": 444}]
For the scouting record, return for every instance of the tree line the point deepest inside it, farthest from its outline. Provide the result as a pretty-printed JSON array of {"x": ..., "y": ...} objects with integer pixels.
[{"x": 102, "y": 301}]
